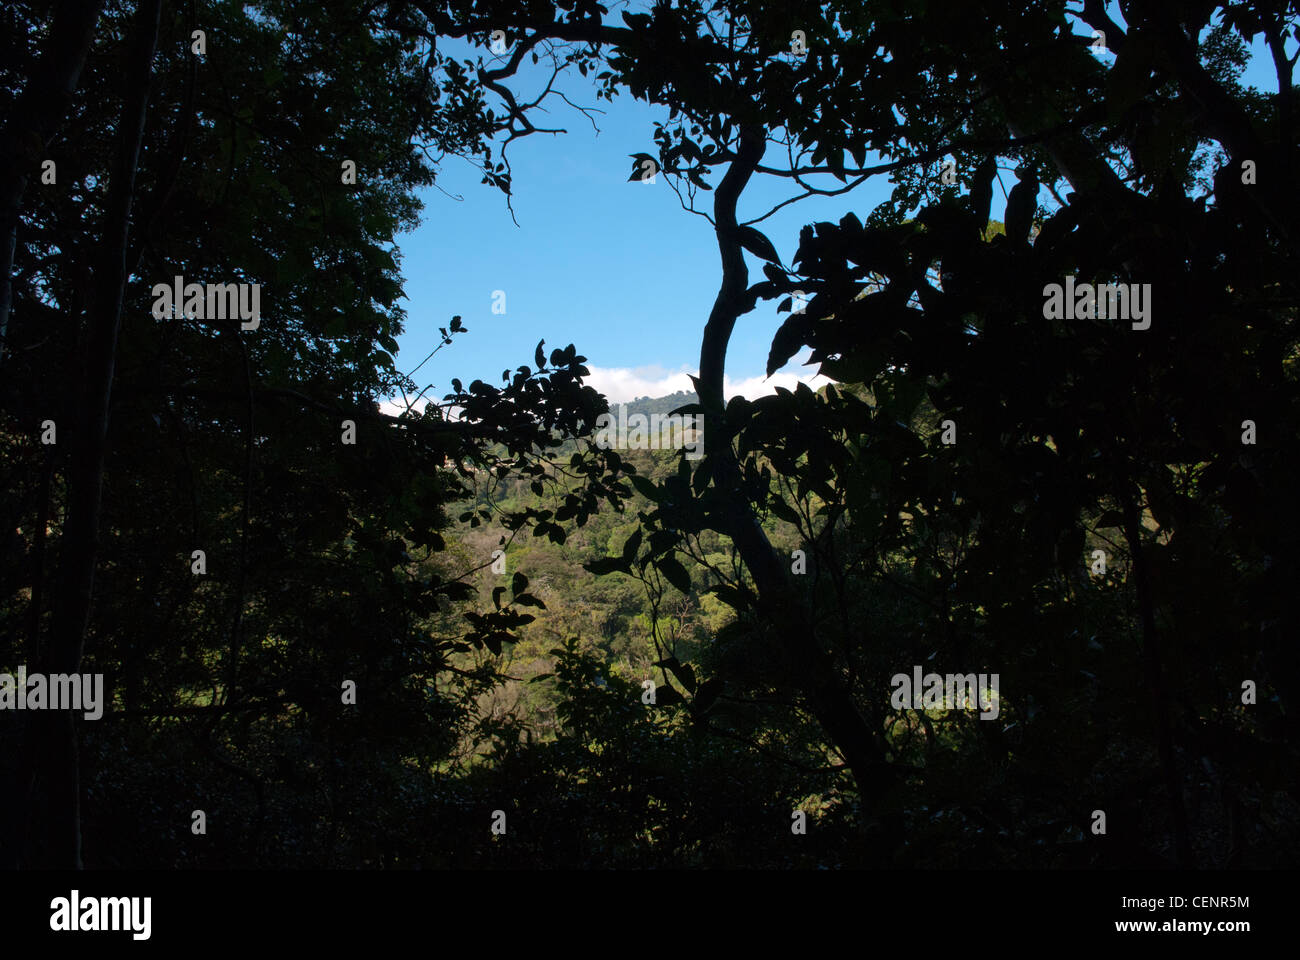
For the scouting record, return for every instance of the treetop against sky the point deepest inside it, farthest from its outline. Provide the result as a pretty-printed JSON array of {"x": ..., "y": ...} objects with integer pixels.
[{"x": 616, "y": 267}]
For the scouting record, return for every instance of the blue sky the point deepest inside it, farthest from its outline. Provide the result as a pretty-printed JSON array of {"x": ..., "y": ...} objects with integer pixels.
[{"x": 617, "y": 268}]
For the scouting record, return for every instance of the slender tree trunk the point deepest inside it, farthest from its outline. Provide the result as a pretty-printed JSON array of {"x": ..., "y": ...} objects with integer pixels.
[
  {"x": 827, "y": 696},
  {"x": 80, "y": 545},
  {"x": 38, "y": 112},
  {"x": 34, "y": 653},
  {"x": 1153, "y": 676}
]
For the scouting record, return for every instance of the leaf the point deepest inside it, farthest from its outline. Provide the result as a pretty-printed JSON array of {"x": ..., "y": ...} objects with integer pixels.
[
  {"x": 666, "y": 695},
  {"x": 493, "y": 641},
  {"x": 682, "y": 671},
  {"x": 1111, "y": 518},
  {"x": 518, "y": 584},
  {"x": 783, "y": 510},
  {"x": 757, "y": 244},
  {"x": 729, "y": 595},
  {"x": 675, "y": 573},
  {"x": 538, "y": 357},
  {"x": 835, "y": 160},
  {"x": 606, "y": 565},
  {"x": 645, "y": 486},
  {"x": 639, "y": 168},
  {"x": 981, "y": 191},
  {"x": 787, "y": 341},
  {"x": 631, "y": 546},
  {"x": 1021, "y": 203},
  {"x": 700, "y": 479}
]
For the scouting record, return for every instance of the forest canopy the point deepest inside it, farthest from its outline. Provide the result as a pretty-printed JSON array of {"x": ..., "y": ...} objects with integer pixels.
[{"x": 1055, "y": 461}]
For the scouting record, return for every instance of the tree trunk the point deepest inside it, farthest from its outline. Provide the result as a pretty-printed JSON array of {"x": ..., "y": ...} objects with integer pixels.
[
  {"x": 827, "y": 695},
  {"x": 39, "y": 111},
  {"x": 1153, "y": 676},
  {"x": 80, "y": 545}
]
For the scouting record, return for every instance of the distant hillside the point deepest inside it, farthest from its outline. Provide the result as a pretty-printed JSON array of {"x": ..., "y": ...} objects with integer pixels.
[{"x": 660, "y": 405}]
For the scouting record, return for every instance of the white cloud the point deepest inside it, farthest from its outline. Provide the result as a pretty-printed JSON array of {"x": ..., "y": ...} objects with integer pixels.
[
  {"x": 395, "y": 407},
  {"x": 754, "y": 387},
  {"x": 622, "y": 384}
]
